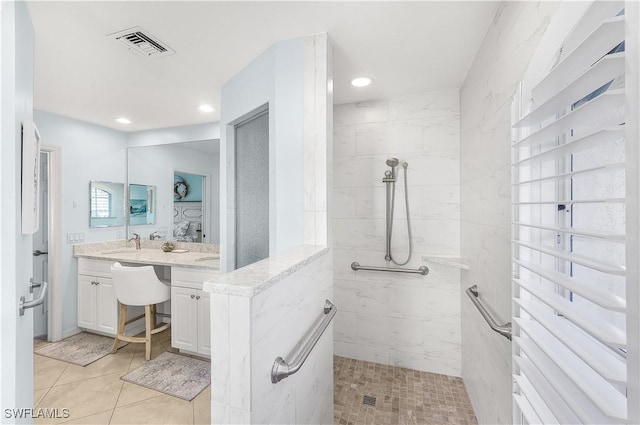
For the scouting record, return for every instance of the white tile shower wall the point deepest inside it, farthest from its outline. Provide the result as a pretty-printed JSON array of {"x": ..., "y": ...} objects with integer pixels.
[
  {"x": 485, "y": 101},
  {"x": 391, "y": 318}
]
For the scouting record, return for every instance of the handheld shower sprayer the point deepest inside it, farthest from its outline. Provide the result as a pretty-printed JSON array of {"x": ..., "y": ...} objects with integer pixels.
[
  {"x": 390, "y": 181},
  {"x": 390, "y": 175},
  {"x": 392, "y": 162}
]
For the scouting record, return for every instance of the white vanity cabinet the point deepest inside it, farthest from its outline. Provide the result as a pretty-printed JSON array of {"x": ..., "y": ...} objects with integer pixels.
[
  {"x": 97, "y": 302},
  {"x": 190, "y": 310}
]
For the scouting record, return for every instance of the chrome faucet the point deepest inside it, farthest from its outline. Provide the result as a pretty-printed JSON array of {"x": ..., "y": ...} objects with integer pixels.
[
  {"x": 153, "y": 236},
  {"x": 136, "y": 238}
]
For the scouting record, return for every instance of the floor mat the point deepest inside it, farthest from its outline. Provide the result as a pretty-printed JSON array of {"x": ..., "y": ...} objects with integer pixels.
[
  {"x": 173, "y": 374},
  {"x": 81, "y": 349}
]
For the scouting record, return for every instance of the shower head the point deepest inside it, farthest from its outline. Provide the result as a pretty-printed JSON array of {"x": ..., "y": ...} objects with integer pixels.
[{"x": 392, "y": 162}]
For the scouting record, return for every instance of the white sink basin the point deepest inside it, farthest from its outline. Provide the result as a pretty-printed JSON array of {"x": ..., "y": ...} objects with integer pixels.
[{"x": 119, "y": 251}]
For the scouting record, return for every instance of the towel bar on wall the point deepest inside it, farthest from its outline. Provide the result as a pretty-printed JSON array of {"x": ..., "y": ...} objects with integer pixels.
[
  {"x": 504, "y": 330},
  {"x": 281, "y": 369},
  {"x": 423, "y": 270}
]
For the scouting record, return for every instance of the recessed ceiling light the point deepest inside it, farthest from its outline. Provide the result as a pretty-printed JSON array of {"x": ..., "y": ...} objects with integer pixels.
[
  {"x": 206, "y": 108},
  {"x": 361, "y": 82},
  {"x": 123, "y": 120}
]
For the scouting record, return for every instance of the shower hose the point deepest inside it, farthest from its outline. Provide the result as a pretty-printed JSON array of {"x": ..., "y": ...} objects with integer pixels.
[{"x": 390, "y": 218}]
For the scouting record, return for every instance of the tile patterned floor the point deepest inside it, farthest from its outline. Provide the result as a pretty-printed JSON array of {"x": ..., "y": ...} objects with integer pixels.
[
  {"x": 402, "y": 396},
  {"x": 95, "y": 394}
]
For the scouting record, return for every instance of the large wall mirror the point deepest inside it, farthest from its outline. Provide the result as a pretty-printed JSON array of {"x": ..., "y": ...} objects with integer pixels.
[
  {"x": 106, "y": 200},
  {"x": 185, "y": 177}
]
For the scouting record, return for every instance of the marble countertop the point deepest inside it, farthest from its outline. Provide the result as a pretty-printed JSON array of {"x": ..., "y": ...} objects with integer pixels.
[
  {"x": 250, "y": 280},
  {"x": 197, "y": 257}
]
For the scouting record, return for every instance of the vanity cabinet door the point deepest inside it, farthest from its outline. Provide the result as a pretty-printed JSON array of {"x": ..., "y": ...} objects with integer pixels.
[
  {"x": 86, "y": 301},
  {"x": 204, "y": 323},
  {"x": 106, "y": 306},
  {"x": 184, "y": 319}
]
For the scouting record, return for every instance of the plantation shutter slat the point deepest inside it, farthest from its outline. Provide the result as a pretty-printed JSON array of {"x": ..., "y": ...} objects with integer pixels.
[
  {"x": 609, "y": 365},
  {"x": 568, "y": 230}
]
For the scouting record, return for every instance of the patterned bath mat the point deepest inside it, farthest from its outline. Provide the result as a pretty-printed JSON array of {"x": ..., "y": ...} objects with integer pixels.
[
  {"x": 81, "y": 349},
  {"x": 179, "y": 376}
]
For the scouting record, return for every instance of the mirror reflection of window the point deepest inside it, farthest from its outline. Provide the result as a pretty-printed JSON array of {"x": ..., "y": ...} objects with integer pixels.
[{"x": 101, "y": 203}]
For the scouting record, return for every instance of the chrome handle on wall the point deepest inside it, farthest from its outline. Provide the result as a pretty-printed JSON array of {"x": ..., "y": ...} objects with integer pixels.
[
  {"x": 504, "y": 330},
  {"x": 38, "y": 301},
  {"x": 281, "y": 369}
]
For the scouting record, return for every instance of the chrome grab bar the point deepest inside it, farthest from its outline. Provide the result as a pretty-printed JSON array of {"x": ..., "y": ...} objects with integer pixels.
[
  {"x": 504, "y": 330},
  {"x": 281, "y": 369},
  {"x": 423, "y": 270},
  {"x": 36, "y": 302}
]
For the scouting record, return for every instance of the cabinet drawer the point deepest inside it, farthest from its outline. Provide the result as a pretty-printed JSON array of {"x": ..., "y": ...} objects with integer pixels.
[
  {"x": 94, "y": 267},
  {"x": 190, "y": 278}
]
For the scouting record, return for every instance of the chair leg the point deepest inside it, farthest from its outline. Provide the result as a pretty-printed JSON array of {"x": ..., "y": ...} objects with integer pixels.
[
  {"x": 154, "y": 323},
  {"x": 147, "y": 316},
  {"x": 122, "y": 320}
]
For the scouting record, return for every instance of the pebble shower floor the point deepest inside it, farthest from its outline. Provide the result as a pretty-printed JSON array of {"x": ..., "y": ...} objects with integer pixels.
[{"x": 372, "y": 393}]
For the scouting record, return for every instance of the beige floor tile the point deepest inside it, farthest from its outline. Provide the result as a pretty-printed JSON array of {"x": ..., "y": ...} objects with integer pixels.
[
  {"x": 38, "y": 395},
  {"x": 159, "y": 410},
  {"x": 86, "y": 397},
  {"x": 132, "y": 393},
  {"x": 202, "y": 407},
  {"x": 111, "y": 363},
  {"x": 46, "y": 371},
  {"x": 101, "y": 418}
]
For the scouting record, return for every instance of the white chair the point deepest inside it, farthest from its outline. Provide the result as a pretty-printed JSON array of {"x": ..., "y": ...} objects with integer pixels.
[{"x": 138, "y": 286}]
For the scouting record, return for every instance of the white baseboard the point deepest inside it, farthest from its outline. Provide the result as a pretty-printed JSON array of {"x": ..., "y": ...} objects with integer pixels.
[{"x": 71, "y": 332}]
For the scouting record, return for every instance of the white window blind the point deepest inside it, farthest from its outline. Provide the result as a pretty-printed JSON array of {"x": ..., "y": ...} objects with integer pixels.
[{"x": 568, "y": 194}]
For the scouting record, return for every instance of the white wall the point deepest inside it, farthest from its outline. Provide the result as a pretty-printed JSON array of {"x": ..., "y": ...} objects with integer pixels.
[
  {"x": 485, "y": 103},
  {"x": 275, "y": 78},
  {"x": 88, "y": 152},
  {"x": 154, "y": 165},
  {"x": 391, "y": 318},
  {"x": 16, "y": 105},
  {"x": 168, "y": 135},
  {"x": 251, "y": 332}
]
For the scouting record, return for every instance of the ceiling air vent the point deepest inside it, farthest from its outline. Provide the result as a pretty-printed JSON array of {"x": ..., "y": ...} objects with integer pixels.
[{"x": 143, "y": 43}]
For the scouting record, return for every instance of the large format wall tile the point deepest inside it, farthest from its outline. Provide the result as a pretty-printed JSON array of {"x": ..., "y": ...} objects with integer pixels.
[
  {"x": 485, "y": 154},
  {"x": 394, "y": 318}
]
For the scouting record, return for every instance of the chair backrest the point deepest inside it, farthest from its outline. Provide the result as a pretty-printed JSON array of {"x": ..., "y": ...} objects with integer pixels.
[{"x": 138, "y": 285}]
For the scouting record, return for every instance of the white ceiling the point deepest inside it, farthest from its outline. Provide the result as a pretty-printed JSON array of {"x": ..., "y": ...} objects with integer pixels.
[{"x": 80, "y": 73}]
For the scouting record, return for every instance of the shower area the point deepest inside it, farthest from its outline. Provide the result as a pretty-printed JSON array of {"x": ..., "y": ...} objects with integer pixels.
[{"x": 397, "y": 267}]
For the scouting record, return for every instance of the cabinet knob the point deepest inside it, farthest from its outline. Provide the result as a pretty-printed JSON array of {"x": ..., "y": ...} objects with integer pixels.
[
  {"x": 192, "y": 296},
  {"x": 198, "y": 297}
]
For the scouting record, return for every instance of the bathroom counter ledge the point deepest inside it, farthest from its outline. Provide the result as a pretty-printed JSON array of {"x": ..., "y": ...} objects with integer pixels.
[
  {"x": 255, "y": 278},
  {"x": 151, "y": 255}
]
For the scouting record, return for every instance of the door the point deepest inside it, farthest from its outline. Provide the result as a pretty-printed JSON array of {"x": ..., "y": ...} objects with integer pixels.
[
  {"x": 41, "y": 249},
  {"x": 204, "y": 323},
  {"x": 86, "y": 301},
  {"x": 16, "y": 92},
  {"x": 252, "y": 190},
  {"x": 184, "y": 319},
  {"x": 106, "y": 306}
]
